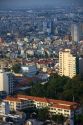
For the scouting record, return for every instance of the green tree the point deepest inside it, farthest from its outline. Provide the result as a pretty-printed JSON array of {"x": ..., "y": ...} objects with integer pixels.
[
  {"x": 60, "y": 88},
  {"x": 56, "y": 86},
  {"x": 43, "y": 114},
  {"x": 38, "y": 90},
  {"x": 16, "y": 68},
  {"x": 58, "y": 118},
  {"x": 79, "y": 119}
]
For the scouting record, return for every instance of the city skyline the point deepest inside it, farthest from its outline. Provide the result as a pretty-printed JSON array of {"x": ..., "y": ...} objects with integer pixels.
[{"x": 24, "y": 4}]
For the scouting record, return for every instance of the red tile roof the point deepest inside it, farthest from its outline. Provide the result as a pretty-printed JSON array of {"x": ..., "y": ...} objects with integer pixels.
[
  {"x": 12, "y": 99},
  {"x": 25, "y": 81},
  {"x": 63, "y": 107},
  {"x": 54, "y": 103}
]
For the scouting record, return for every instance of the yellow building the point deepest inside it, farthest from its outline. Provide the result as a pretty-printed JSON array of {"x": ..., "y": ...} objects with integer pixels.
[{"x": 67, "y": 63}]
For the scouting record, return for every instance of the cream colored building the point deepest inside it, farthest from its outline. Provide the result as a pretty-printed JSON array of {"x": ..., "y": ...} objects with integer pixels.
[
  {"x": 67, "y": 63},
  {"x": 6, "y": 82},
  {"x": 21, "y": 102}
]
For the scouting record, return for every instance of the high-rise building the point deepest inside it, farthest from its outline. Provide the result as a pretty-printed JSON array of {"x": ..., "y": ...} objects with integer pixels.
[
  {"x": 81, "y": 31},
  {"x": 81, "y": 67},
  {"x": 6, "y": 82},
  {"x": 45, "y": 26},
  {"x": 67, "y": 63},
  {"x": 75, "y": 32}
]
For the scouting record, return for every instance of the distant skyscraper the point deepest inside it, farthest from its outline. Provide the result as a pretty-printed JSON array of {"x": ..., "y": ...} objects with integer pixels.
[
  {"x": 81, "y": 31},
  {"x": 67, "y": 63},
  {"x": 75, "y": 31},
  {"x": 45, "y": 26},
  {"x": 52, "y": 27}
]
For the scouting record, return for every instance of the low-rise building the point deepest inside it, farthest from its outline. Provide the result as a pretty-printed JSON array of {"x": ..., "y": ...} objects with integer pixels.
[
  {"x": 18, "y": 103},
  {"x": 4, "y": 108},
  {"x": 65, "y": 108}
]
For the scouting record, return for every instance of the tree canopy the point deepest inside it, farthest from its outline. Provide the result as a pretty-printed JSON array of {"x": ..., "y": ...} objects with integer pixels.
[
  {"x": 60, "y": 88},
  {"x": 16, "y": 68}
]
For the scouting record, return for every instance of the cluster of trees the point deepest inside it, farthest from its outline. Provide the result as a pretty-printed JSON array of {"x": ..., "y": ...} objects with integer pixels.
[
  {"x": 43, "y": 114},
  {"x": 16, "y": 68},
  {"x": 60, "y": 88}
]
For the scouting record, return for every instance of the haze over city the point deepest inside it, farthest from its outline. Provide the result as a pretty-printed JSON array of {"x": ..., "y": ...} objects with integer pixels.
[
  {"x": 23, "y": 4},
  {"x": 41, "y": 62}
]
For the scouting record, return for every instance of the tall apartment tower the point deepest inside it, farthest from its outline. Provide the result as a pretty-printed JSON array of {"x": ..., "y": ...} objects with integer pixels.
[
  {"x": 75, "y": 32},
  {"x": 81, "y": 67},
  {"x": 67, "y": 63},
  {"x": 6, "y": 82}
]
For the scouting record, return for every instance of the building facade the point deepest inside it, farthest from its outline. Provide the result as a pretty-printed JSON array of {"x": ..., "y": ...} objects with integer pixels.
[
  {"x": 55, "y": 106},
  {"x": 67, "y": 63},
  {"x": 4, "y": 108},
  {"x": 81, "y": 67},
  {"x": 75, "y": 29},
  {"x": 6, "y": 82}
]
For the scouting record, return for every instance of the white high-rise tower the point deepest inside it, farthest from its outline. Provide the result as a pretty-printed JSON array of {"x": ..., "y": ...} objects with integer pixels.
[{"x": 6, "y": 82}]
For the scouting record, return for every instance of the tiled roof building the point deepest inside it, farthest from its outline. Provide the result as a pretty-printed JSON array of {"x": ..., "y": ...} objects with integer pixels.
[{"x": 55, "y": 106}]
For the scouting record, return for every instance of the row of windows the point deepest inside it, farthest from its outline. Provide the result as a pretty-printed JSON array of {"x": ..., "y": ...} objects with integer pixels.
[{"x": 59, "y": 109}]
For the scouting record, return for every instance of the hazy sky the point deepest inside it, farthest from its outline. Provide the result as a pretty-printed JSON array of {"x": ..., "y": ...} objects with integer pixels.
[{"x": 34, "y": 3}]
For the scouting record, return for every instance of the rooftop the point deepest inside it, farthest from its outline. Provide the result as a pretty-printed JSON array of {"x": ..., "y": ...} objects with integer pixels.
[{"x": 54, "y": 103}]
